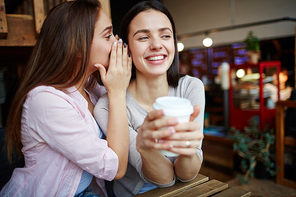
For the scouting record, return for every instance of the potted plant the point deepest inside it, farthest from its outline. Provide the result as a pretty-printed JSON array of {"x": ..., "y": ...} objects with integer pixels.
[
  {"x": 252, "y": 145},
  {"x": 253, "y": 48}
]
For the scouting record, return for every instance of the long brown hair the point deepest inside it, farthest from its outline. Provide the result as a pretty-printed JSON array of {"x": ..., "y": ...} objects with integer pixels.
[{"x": 66, "y": 33}]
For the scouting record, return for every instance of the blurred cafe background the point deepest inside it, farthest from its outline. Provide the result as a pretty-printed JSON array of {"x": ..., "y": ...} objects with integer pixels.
[{"x": 216, "y": 41}]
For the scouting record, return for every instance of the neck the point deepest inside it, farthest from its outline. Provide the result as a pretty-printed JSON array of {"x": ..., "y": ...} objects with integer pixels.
[
  {"x": 80, "y": 86},
  {"x": 146, "y": 90}
]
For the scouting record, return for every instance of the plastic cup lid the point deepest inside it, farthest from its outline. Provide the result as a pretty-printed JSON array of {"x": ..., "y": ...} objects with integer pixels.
[{"x": 173, "y": 106}]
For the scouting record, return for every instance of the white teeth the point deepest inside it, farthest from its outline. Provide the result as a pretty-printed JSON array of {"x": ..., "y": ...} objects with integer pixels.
[{"x": 156, "y": 58}]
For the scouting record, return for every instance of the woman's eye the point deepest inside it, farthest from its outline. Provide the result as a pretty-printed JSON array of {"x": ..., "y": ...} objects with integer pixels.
[
  {"x": 143, "y": 38},
  {"x": 166, "y": 36},
  {"x": 109, "y": 36}
]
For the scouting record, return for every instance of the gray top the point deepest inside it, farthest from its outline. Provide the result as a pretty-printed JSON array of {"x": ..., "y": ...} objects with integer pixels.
[{"x": 189, "y": 87}]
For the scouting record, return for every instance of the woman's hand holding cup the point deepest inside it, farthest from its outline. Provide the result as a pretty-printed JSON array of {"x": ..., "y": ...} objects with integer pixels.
[{"x": 187, "y": 136}]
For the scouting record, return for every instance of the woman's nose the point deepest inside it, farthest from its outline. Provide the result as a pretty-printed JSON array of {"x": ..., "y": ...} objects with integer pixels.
[
  {"x": 155, "y": 44},
  {"x": 113, "y": 39}
]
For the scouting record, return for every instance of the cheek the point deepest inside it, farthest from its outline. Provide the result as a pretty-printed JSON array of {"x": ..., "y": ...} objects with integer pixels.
[
  {"x": 172, "y": 47},
  {"x": 105, "y": 50},
  {"x": 132, "y": 51},
  {"x": 137, "y": 50}
]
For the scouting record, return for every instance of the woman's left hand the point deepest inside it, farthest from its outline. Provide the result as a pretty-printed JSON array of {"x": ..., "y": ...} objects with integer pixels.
[{"x": 187, "y": 137}]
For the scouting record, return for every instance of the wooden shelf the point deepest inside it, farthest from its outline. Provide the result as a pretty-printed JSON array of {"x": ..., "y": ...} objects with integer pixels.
[
  {"x": 3, "y": 21},
  {"x": 22, "y": 29},
  {"x": 290, "y": 141},
  {"x": 282, "y": 142},
  {"x": 218, "y": 151}
]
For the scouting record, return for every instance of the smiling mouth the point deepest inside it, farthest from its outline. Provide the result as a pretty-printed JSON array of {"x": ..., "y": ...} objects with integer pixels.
[{"x": 155, "y": 58}]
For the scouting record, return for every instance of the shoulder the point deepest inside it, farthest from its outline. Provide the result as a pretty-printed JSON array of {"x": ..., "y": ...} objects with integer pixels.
[
  {"x": 44, "y": 92},
  {"x": 46, "y": 102},
  {"x": 103, "y": 100},
  {"x": 98, "y": 90},
  {"x": 191, "y": 82},
  {"x": 48, "y": 97},
  {"x": 191, "y": 88}
]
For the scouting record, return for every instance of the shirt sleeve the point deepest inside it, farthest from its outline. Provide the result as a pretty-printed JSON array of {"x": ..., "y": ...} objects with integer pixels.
[
  {"x": 193, "y": 89},
  {"x": 65, "y": 127},
  {"x": 195, "y": 92}
]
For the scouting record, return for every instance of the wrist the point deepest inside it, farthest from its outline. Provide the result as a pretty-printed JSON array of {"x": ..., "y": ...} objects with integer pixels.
[{"x": 117, "y": 94}]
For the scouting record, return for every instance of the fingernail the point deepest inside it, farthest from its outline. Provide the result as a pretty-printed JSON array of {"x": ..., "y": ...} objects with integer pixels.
[
  {"x": 124, "y": 45},
  {"x": 120, "y": 41},
  {"x": 172, "y": 130},
  {"x": 96, "y": 65},
  {"x": 129, "y": 54},
  {"x": 115, "y": 43},
  {"x": 171, "y": 146},
  {"x": 160, "y": 141},
  {"x": 116, "y": 35}
]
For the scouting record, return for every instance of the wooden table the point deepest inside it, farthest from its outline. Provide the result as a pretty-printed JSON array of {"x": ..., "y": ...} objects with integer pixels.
[{"x": 199, "y": 187}]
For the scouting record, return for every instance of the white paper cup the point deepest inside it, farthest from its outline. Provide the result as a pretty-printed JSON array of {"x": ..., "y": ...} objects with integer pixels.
[{"x": 180, "y": 108}]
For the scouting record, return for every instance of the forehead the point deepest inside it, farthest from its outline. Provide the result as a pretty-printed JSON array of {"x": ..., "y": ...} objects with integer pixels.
[
  {"x": 103, "y": 21},
  {"x": 150, "y": 19}
]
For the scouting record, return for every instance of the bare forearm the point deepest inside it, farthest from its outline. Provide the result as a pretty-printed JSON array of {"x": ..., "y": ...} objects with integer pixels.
[
  {"x": 118, "y": 133},
  {"x": 186, "y": 167},
  {"x": 156, "y": 167}
]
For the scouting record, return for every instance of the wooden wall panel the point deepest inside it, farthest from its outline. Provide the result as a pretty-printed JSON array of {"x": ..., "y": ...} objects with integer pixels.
[
  {"x": 3, "y": 20},
  {"x": 39, "y": 14},
  {"x": 106, "y": 7},
  {"x": 21, "y": 31}
]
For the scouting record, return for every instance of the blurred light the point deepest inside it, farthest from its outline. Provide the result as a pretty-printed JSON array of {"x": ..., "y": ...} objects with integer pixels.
[
  {"x": 207, "y": 42},
  {"x": 251, "y": 77},
  {"x": 180, "y": 46},
  {"x": 240, "y": 73}
]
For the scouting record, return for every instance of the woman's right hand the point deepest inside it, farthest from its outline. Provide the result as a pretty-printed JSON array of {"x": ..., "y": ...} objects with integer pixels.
[
  {"x": 155, "y": 127},
  {"x": 118, "y": 74}
]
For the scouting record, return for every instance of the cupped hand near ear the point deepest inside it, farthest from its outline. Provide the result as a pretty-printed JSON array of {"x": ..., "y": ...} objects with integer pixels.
[{"x": 118, "y": 74}]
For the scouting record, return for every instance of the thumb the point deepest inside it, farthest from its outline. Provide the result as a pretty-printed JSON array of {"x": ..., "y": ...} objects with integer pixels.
[
  {"x": 196, "y": 110},
  {"x": 102, "y": 71}
]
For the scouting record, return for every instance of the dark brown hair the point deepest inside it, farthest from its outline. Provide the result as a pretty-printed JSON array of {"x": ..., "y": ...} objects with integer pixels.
[
  {"x": 173, "y": 74},
  {"x": 67, "y": 33}
]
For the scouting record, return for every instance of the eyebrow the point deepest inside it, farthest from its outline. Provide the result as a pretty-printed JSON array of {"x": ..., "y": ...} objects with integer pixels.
[
  {"x": 147, "y": 31},
  {"x": 107, "y": 29}
]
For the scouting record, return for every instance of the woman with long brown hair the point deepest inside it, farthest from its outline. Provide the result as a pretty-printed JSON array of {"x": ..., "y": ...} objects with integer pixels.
[{"x": 51, "y": 118}]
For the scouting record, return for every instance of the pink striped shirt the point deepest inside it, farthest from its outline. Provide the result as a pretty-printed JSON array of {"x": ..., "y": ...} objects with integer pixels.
[{"x": 60, "y": 140}]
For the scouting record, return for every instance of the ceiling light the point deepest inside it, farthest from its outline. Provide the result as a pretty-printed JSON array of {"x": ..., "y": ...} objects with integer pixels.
[
  {"x": 207, "y": 42},
  {"x": 180, "y": 46}
]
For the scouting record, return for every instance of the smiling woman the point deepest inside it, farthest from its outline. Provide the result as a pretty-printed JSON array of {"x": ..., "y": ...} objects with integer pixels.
[
  {"x": 151, "y": 41},
  {"x": 149, "y": 30}
]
